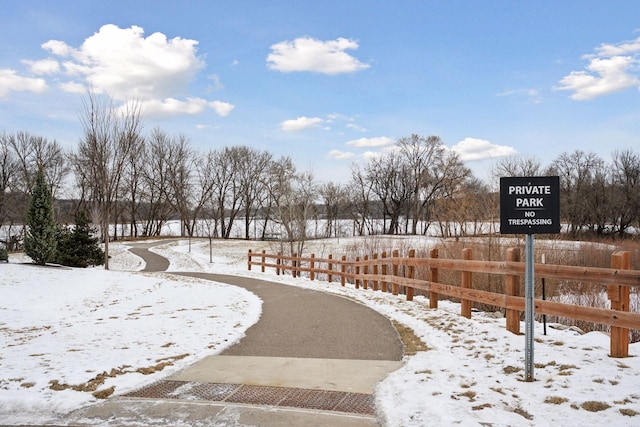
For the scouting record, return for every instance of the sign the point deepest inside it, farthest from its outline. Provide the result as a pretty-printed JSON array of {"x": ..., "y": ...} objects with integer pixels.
[{"x": 530, "y": 205}]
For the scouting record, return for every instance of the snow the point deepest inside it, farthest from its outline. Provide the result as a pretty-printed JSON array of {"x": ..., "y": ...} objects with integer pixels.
[{"x": 70, "y": 325}]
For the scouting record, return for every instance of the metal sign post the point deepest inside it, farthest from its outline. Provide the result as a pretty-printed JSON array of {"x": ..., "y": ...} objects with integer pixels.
[
  {"x": 529, "y": 205},
  {"x": 528, "y": 309}
]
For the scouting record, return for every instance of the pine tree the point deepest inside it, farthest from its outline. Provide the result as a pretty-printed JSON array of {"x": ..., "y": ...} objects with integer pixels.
[
  {"x": 78, "y": 248},
  {"x": 40, "y": 238}
]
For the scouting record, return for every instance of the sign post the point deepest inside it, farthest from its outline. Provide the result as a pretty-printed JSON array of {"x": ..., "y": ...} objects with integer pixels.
[{"x": 529, "y": 205}]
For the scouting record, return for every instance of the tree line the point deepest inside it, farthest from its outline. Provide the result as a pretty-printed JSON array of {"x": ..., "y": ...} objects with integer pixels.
[{"x": 133, "y": 183}]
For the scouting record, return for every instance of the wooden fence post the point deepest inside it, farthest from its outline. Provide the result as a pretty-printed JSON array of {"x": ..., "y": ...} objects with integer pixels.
[
  {"x": 343, "y": 270},
  {"x": 394, "y": 286},
  {"x": 312, "y": 273},
  {"x": 262, "y": 259},
  {"x": 512, "y": 288},
  {"x": 278, "y": 262},
  {"x": 294, "y": 263},
  {"x": 411, "y": 271},
  {"x": 330, "y": 268},
  {"x": 355, "y": 279},
  {"x": 383, "y": 284},
  {"x": 619, "y": 296},
  {"x": 375, "y": 272},
  {"x": 249, "y": 261},
  {"x": 365, "y": 271},
  {"x": 433, "y": 278},
  {"x": 467, "y": 254}
]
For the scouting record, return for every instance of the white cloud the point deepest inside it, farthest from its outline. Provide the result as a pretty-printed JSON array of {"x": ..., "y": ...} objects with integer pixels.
[
  {"x": 73, "y": 87},
  {"x": 217, "y": 83},
  {"x": 125, "y": 64},
  {"x": 171, "y": 106},
  {"x": 307, "y": 54},
  {"x": 470, "y": 149},
  {"x": 340, "y": 155},
  {"x": 301, "y": 123},
  {"x": 381, "y": 141},
  {"x": 58, "y": 48},
  {"x": 532, "y": 94},
  {"x": 357, "y": 128},
  {"x": 221, "y": 108},
  {"x": 369, "y": 155},
  {"x": 43, "y": 66},
  {"x": 610, "y": 69},
  {"x": 12, "y": 82}
]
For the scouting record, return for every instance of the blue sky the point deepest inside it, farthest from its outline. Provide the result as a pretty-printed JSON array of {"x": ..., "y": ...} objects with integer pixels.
[{"x": 330, "y": 83}]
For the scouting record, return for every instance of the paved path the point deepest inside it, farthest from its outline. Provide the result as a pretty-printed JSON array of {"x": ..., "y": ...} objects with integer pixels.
[
  {"x": 314, "y": 356},
  {"x": 298, "y": 322}
]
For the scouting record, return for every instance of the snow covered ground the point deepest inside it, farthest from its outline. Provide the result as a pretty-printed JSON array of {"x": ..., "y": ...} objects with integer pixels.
[{"x": 66, "y": 327}]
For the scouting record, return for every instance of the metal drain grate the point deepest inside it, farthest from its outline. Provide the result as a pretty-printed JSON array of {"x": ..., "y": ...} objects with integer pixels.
[{"x": 339, "y": 401}]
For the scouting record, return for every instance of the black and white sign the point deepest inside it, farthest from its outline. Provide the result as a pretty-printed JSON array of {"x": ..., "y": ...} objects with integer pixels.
[{"x": 530, "y": 205}]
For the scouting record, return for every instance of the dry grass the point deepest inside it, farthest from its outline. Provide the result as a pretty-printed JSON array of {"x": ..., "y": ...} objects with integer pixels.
[
  {"x": 555, "y": 400},
  {"x": 629, "y": 412},
  {"x": 511, "y": 369},
  {"x": 483, "y": 406},
  {"x": 94, "y": 383},
  {"x": 103, "y": 394},
  {"x": 412, "y": 343},
  {"x": 595, "y": 406},
  {"x": 523, "y": 413}
]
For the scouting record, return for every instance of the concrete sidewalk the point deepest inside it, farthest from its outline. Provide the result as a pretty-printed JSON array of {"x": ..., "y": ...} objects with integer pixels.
[{"x": 313, "y": 359}]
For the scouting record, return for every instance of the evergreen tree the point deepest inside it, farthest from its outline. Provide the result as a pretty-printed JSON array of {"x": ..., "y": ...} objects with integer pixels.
[
  {"x": 78, "y": 248},
  {"x": 40, "y": 238}
]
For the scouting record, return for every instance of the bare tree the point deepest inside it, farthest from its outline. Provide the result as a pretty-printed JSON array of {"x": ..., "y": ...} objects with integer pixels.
[
  {"x": 133, "y": 184},
  {"x": 360, "y": 196},
  {"x": 625, "y": 177},
  {"x": 251, "y": 167},
  {"x": 155, "y": 183},
  {"x": 434, "y": 173},
  {"x": 8, "y": 196},
  {"x": 32, "y": 152},
  {"x": 581, "y": 179},
  {"x": 294, "y": 196},
  {"x": 392, "y": 182},
  {"x": 109, "y": 134},
  {"x": 517, "y": 166},
  {"x": 189, "y": 181},
  {"x": 420, "y": 155},
  {"x": 334, "y": 197},
  {"x": 225, "y": 191}
]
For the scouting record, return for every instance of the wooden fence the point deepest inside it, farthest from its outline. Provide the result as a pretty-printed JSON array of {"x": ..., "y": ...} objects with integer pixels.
[{"x": 388, "y": 274}]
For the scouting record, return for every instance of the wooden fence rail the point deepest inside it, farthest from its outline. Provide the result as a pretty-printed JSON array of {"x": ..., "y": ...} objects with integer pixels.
[{"x": 388, "y": 274}]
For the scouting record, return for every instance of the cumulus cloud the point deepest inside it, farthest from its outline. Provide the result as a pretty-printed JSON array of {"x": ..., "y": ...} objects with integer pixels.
[
  {"x": 222, "y": 108},
  {"x": 381, "y": 141},
  {"x": 171, "y": 106},
  {"x": 470, "y": 149},
  {"x": 73, "y": 87},
  {"x": 612, "y": 68},
  {"x": 308, "y": 54},
  {"x": 43, "y": 66},
  {"x": 301, "y": 123},
  {"x": 10, "y": 81},
  {"x": 340, "y": 155},
  {"x": 125, "y": 64}
]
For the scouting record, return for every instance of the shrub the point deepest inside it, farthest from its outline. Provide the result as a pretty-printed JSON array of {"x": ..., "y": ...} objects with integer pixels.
[{"x": 78, "y": 248}]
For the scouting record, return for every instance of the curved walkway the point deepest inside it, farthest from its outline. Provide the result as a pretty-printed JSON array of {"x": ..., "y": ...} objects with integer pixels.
[{"x": 309, "y": 350}]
